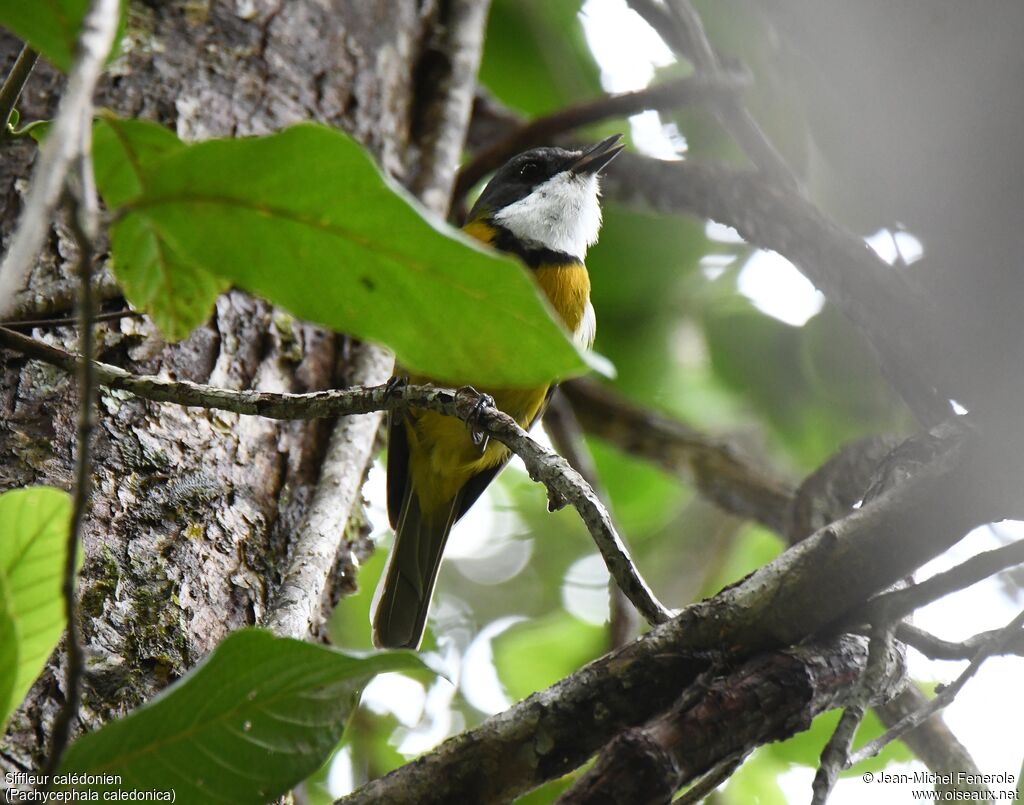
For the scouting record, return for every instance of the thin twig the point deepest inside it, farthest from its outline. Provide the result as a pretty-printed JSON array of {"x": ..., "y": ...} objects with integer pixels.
[
  {"x": 935, "y": 648},
  {"x": 567, "y": 437},
  {"x": 708, "y": 782},
  {"x": 543, "y": 130},
  {"x": 898, "y": 604},
  {"x": 70, "y": 321},
  {"x": 837, "y": 750},
  {"x": 544, "y": 466},
  {"x": 58, "y": 152},
  {"x": 689, "y": 40},
  {"x": 932, "y": 742},
  {"x": 945, "y": 696},
  {"x": 14, "y": 84},
  {"x": 83, "y": 220}
]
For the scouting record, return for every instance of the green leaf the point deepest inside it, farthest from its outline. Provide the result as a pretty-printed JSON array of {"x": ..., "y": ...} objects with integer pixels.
[
  {"x": 177, "y": 293},
  {"x": 123, "y": 150},
  {"x": 304, "y": 219},
  {"x": 34, "y": 526},
  {"x": 8, "y": 652},
  {"x": 51, "y": 26},
  {"x": 258, "y": 716}
]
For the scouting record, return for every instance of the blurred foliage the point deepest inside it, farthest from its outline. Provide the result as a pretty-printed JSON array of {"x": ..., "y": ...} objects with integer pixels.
[{"x": 536, "y": 58}]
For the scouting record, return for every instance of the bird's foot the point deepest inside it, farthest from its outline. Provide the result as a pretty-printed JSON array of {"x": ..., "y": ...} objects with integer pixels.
[
  {"x": 480, "y": 404},
  {"x": 395, "y": 386}
]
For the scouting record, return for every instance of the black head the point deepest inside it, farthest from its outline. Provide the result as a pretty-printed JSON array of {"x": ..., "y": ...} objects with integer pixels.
[{"x": 527, "y": 171}]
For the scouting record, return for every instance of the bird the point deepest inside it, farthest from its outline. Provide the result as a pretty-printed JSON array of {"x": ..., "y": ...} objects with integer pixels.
[{"x": 542, "y": 206}]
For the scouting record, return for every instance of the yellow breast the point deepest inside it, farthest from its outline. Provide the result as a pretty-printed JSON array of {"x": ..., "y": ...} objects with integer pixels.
[{"x": 566, "y": 285}]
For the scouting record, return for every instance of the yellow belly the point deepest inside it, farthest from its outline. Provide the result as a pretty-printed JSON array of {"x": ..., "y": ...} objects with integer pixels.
[{"x": 442, "y": 457}]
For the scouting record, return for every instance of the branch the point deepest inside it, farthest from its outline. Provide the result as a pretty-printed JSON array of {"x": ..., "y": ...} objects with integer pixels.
[
  {"x": 558, "y": 477},
  {"x": 769, "y": 698},
  {"x": 13, "y": 85},
  {"x": 567, "y": 437},
  {"x": 932, "y": 741},
  {"x": 708, "y": 782},
  {"x": 544, "y": 130},
  {"x": 945, "y": 696},
  {"x": 794, "y": 596},
  {"x": 809, "y": 587},
  {"x": 936, "y": 648},
  {"x": 84, "y": 219},
  {"x": 60, "y": 149},
  {"x": 312, "y": 554},
  {"x": 916, "y": 355},
  {"x": 896, "y": 605},
  {"x": 441, "y": 114},
  {"x": 837, "y": 750},
  {"x": 712, "y": 465},
  {"x": 683, "y": 32},
  {"x": 70, "y": 321}
]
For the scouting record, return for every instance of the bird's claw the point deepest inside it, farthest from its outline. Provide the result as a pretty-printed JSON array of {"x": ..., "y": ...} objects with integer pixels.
[
  {"x": 395, "y": 385},
  {"x": 480, "y": 404}
]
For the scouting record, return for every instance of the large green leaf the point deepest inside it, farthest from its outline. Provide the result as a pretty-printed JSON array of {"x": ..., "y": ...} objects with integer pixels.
[
  {"x": 258, "y": 716},
  {"x": 34, "y": 526},
  {"x": 50, "y": 26},
  {"x": 304, "y": 218},
  {"x": 177, "y": 293}
]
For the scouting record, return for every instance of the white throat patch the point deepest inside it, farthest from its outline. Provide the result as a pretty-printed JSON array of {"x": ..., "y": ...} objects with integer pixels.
[{"x": 563, "y": 214}]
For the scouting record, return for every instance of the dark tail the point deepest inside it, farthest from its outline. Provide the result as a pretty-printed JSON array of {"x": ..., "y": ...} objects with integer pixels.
[{"x": 408, "y": 581}]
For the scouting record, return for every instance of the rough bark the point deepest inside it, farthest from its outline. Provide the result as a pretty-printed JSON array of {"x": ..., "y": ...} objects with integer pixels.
[
  {"x": 193, "y": 510},
  {"x": 769, "y": 698}
]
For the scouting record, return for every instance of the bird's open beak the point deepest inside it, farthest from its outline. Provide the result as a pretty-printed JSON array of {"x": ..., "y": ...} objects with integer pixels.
[{"x": 596, "y": 157}]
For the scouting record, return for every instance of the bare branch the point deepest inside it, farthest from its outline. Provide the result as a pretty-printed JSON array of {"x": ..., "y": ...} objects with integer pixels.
[
  {"x": 936, "y": 648},
  {"x": 544, "y": 130},
  {"x": 916, "y": 356},
  {"x": 795, "y": 595},
  {"x": 683, "y": 32},
  {"x": 945, "y": 696},
  {"x": 567, "y": 437},
  {"x": 70, "y": 321},
  {"x": 898, "y": 604},
  {"x": 709, "y": 781},
  {"x": 771, "y": 697},
  {"x": 62, "y": 146},
  {"x": 837, "y": 750},
  {"x": 443, "y": 117},
  {"x": 13, "y": 85},
  {"x": 544, "y": 466},
  {"x": 84, "y": 217},
  {"x": 932, "y": 741}
]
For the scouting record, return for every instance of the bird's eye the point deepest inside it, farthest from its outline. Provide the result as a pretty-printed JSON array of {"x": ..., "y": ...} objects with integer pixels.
[{"x": 529, "y": 170}]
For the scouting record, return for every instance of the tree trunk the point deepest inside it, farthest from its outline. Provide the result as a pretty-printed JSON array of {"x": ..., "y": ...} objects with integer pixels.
[{"x": 193, "y": 510}]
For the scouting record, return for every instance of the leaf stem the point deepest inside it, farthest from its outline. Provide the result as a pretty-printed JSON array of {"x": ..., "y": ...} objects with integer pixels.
[{"x": 13, "y": 85}]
